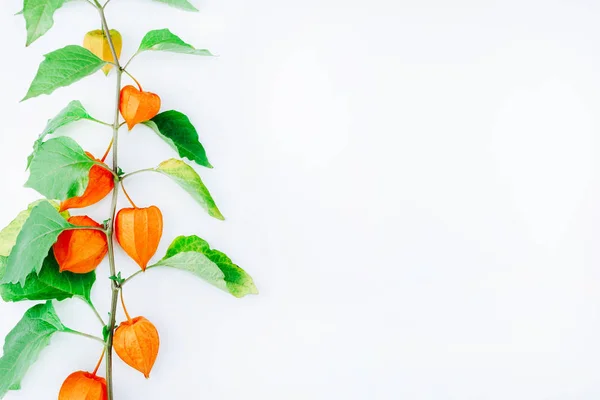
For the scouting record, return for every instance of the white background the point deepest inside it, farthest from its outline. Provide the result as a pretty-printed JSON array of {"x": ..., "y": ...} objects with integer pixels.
[{"x": 412, "y": 184}]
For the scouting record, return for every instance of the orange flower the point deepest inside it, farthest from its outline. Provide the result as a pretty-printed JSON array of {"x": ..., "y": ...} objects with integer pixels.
[
  {"x": 138, "y": 231},
  {"x": 138, "y": 106},
  {"x": 100, "y": 184},
  {"x": 136, "y": 342},
  {"x": 80, "y": 250},
  {"x": 82, "y": 385}
]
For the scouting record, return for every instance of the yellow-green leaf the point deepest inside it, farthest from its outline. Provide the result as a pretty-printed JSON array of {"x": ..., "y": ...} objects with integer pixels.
[
  {"x": 39, "y": 233},
  {"x": 8, "y": 235},
  {"x": 186, "y": 177}
]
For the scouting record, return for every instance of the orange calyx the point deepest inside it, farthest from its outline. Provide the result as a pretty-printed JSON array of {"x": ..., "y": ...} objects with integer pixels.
[
  {"x": 101, "y": 183},
  {"x": 138, "y": 106},
  {"x": 136, "y": 342},
  {"x": 80, "y": 250},
  {"x": 83, "y": 385},
  {"x": 138, "y": 231}
]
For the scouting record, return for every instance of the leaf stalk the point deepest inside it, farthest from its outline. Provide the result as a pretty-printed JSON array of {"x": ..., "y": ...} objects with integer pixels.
[{"x": 87, "y": 335}]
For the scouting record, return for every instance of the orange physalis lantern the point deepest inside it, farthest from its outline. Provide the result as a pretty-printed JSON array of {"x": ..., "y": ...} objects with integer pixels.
[
  {"x": 138, "y": 106},
  {"x": 138, "y": 231},
  {"x": 82, "y": 385},
  {"x": 80, "y": 250},
  {"x": 136, "y": 342}
]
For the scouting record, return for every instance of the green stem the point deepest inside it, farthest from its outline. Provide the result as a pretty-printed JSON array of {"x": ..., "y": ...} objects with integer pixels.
[
  {"x": 87, "y": 335},
  {"x": 137, "y": 172},
  {"x": 89, "y": 303},
  {"x": 111, "y": 254},
  {"x": 102, "y": 122},
  {"x": 131, "y": 59},
  {"x": 86, "y": 228},
  {"x": 135, "y": 80},
  {"x": 132, "y": 276},
  {"x": 108, "y": 169}
]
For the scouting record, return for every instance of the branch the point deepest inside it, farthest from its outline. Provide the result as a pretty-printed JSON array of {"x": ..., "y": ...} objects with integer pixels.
[{"x": 96, "y": 338}]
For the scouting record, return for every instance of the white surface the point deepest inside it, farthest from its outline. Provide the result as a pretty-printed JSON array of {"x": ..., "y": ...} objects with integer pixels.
[{"x": 412, "y": 184}]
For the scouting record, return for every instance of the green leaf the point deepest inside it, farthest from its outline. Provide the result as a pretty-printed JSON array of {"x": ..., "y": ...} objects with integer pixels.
[
  {"x": 165, "y": 40},
  {"x": 25, "y": 342},
  {"x": 105, "y": 332},
  {"x": 190, "y": 253},
  {"x": 8, "y": 235},
  {"x": 49, "y": 284},
  {"x": 181, "y": 4},
  {"x": 62, "y": 68},
  {"x": 73, "y": 112},
  {"x": 59, "y": 169},
  {"x": 176, "y": 129},
  {"x": 38, "y": 234},
  {"x": 39, "y": 17},
  {"x": 186, "y": 177}
]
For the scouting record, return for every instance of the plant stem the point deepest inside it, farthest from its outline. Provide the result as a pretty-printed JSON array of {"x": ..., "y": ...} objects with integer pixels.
[
  {"x": 135, "y": 80},
  {"x": 137, "y": 172},
  {"x": 102, "y": 165},
  {"x": 89, "y": 303},
  {"x": 125, "y": 308},
  {"x": 131, "y": 59},
  {"x": 107, "y": 150},
  {"x": 87, "y": 335},
  {"x": 86, "y": 228},
  {"x": 99, "y": 362},
  {"x": 102, "y": 123},
  {"x": 136, "y": 274},
  {"x": 127, "y": 195},
  {"x": 111, "y": 254}
]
